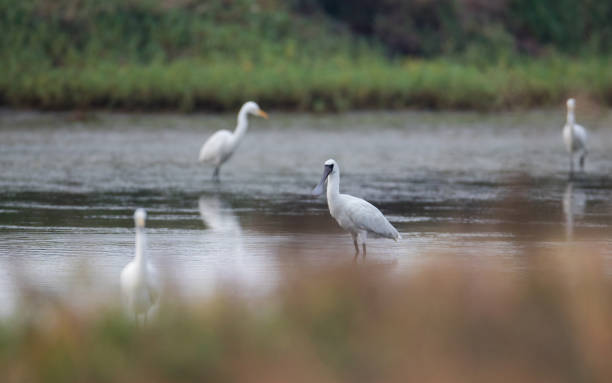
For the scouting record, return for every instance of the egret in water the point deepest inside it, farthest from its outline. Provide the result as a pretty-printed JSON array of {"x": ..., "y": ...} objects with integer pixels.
[
  {"x": 357, "y": 216},
  {"x": 139, "y": 282},
  {"x": 574, "y": 136},
  {"x": 221, "y": 145}
]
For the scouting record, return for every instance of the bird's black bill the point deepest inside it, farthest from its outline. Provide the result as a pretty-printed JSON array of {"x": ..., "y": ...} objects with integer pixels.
[{"x": 319, "y": 188}]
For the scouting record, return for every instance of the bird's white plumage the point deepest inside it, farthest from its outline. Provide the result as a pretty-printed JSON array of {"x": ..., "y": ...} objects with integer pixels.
[
  {"x": 355, "y": 215},
  {"x": 217, "y": 149},
  {"x": 574, "y": 136},
  {"x": 222, "y": 144},
  {"x": 139, "y": 280},
  {"x": 140, "y": 293}
]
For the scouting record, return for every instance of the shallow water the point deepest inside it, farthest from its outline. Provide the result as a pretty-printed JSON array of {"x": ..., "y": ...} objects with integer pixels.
[{"x": 469, "y": 186}]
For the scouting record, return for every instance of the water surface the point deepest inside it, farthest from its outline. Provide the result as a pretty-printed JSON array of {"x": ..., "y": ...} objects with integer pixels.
[{"x": 464, "y": 186}]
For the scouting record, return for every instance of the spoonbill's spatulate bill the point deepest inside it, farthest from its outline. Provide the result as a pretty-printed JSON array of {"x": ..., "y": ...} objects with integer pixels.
[
  {"x": 222, "y": 144},
  {"x": 574, "y": 136},
  {"x": 139, "y": 282},
  {"x": 355, "y": 215}
]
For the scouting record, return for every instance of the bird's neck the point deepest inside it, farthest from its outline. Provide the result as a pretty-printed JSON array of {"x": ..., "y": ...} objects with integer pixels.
[
  {"x": 141, "y": 256},
  {"x": 242, "y": 126},
  {"x": 333, "y": 188},
  {"x": 570, "y": 117}
]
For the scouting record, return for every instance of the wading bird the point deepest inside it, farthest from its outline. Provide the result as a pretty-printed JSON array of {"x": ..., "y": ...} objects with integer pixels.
[
  {"x": 222, "y": 144},
  {"x": 574, "y": 136},
  {"x": 357, "y": 216},
  {"x": 139, "y": 282}
]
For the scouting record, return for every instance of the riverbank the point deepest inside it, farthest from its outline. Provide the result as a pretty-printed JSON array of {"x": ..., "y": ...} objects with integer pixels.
[
  {"x": 213, "y": 55},
  {"x": 336, "y": 84}
]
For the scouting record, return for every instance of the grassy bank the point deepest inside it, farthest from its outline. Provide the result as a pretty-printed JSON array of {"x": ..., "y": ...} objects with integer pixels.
[
  {"x": 215, "y": 54},
  {"x": 320, "y": 85},
  {"x": 352, "y": 323}
]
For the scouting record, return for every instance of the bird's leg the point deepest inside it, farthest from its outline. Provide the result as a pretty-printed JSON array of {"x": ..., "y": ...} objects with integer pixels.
[
  {"x": 215, "y": 175},
  {"x": 582, "y": 159},
  {"x": 364, "y": 250},
  {"x": 356, "y": 245},
  {"x": 571, "y": 158}
]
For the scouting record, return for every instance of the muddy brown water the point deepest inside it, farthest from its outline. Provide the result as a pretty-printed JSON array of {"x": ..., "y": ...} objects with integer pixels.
[{"x": 466, "y": 186}]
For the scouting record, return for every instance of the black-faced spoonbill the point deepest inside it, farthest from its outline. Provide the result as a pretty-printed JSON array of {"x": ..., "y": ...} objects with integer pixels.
[
  {"x": 221, "y": 145},
  {"x": 139, "y": 282},
  {"x": 574, "y": 136},
  {"x": 357, "y": 216}
]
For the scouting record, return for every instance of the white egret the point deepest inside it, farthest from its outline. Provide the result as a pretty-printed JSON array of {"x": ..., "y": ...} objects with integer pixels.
[
  {"x": 574, "y": 136},
  {"x": 222, "y": 144},
  {"x": 139, "y": 282},
  {"x": 355, "y": 215}
]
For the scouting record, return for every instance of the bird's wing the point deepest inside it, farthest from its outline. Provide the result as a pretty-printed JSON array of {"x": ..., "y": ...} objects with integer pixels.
[
  {"x": 576, "y": 136},
  {"x": 567, "y": 131},
  {"x": 153, "y": 286},
  {"x": 215, "y": 145},
  {"x": 366, "y": 216},
  {"x": 581, "y": 134},
  {"x": 126, "y": 274}
]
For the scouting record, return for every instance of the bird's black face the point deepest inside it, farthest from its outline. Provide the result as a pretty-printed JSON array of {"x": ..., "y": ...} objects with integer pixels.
[{"x": 327, "y": 169}]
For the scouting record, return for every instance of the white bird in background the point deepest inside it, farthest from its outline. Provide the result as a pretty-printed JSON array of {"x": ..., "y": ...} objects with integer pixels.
[
  {"x": 222, "y": 144},
  {"x": 574, "y": 136},
  {"x": 357, "y": 216},
  {"x": 139, "y": 282}
]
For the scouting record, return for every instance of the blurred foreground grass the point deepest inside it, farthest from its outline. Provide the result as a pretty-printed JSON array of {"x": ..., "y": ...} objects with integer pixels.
[{"x": 352, "y": 323}]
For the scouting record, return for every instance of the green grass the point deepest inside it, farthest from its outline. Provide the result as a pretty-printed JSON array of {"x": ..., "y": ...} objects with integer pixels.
[
  {"x": 215, "y": 54},
  {"x": 318, "y": 85}
]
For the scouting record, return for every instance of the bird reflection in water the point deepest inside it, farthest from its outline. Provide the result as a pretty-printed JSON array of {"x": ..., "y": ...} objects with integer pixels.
[
  {"x": 574, "y": 202},
  {"x": 233, "y": 261}
]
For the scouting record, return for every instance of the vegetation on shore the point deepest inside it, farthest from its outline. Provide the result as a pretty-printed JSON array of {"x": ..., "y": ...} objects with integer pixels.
[
  {"x": 338, "y": 84},
  {"x": 196, "y": 54}
]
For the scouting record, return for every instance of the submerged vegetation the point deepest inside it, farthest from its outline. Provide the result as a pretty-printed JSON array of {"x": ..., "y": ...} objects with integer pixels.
[
  {"x": 351, "y": 323},
  {"x": 306, "y": 55}
]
